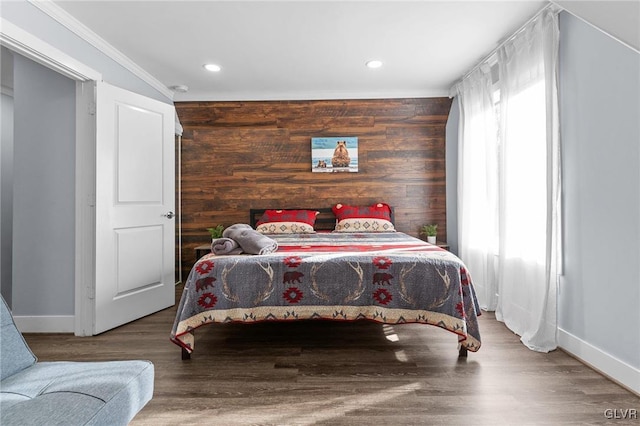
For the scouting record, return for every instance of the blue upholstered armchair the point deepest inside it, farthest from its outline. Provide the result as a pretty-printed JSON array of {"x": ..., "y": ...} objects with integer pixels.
[{"x": 67, "y": 393}]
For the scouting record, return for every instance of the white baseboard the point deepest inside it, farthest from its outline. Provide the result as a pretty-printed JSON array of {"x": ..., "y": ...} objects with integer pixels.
[
  {"x": 624, "y": 374},
  {"x": 45, "y": 324}
]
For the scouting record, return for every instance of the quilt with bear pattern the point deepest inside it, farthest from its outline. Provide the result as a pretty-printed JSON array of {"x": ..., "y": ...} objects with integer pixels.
[{"x": 390, "y": 278}]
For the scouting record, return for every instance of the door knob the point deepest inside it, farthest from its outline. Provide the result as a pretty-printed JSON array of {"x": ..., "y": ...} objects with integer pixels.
[{"x": 169, "y": 215}]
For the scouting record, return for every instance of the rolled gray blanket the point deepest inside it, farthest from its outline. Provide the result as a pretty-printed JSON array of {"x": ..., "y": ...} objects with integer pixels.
[
  {"x": 221, "y": 246},
  {"x": 250, "y": 240}
]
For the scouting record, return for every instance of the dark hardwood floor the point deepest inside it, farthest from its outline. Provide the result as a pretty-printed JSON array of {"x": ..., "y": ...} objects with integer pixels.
[{"x": 360, "y": 373}]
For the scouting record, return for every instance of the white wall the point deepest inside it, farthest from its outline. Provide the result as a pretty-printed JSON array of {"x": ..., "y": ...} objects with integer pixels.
[
  {"x": 33, "y": 20},
  {"x": 43, "y": 191},
  {"x": 6, "y": 194},
  {"x": 599, "y": 314},
  {"x": 452, "y": 175},
  {"x": 618, "y": 18}
]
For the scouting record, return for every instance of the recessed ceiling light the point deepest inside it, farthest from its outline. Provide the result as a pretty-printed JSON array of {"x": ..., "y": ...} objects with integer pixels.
[
  {"x": 374, "y": 64},
  {"x": 212, "y": 67}
]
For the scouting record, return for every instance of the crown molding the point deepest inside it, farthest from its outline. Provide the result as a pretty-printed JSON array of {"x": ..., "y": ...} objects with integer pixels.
[
  {"x": 624, "y": 32},
  {"x": 82, "y": 31},
  {"x": 16, "y": 39}
]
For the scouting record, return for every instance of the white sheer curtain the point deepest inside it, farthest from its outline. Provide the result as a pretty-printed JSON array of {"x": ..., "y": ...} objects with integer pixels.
[
  {"x": 530, "y": 183},
  {"x": 519, "y": 263},
  {"x": 477, "y": 183}
]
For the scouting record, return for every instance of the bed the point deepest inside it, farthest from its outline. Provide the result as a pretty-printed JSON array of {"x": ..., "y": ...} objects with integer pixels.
[{"x": 387, "y": 277}]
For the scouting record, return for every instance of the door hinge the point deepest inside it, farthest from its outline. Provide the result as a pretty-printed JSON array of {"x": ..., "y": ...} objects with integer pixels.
[{"x": 92, "y": 108}]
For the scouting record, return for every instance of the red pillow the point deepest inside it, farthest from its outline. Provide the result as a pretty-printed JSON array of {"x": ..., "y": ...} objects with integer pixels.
[
  {"x": 375, "y": 211},
  {"x": 303, "y": 216}
]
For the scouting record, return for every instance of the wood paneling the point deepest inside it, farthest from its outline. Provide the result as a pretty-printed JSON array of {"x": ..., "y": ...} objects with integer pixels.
[{"x": 242, "y": 155}]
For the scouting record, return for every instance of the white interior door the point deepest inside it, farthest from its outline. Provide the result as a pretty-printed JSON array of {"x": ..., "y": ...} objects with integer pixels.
[{"x": 135, "y": 225}]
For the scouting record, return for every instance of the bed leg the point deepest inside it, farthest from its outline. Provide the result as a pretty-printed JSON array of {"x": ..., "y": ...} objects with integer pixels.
[
  {"x": 185, "y": 354},
  {"x": 462, "y": 352}
]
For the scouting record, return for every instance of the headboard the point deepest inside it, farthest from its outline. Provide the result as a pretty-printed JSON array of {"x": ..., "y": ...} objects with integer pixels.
[{"x": 325, "y": 221}]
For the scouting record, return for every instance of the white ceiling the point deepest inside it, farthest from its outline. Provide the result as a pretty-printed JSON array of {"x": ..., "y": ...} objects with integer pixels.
[
  {"x": 620, "y": 19},
  {"x": 304, "y": 49}
]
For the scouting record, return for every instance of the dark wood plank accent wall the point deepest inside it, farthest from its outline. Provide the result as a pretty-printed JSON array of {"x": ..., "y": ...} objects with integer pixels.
[{"x": 242, "y": 155}]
